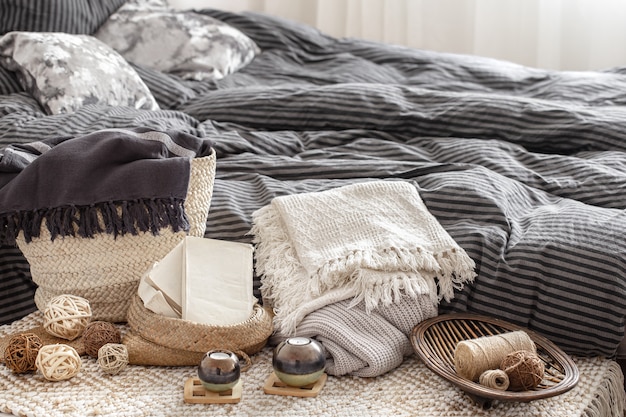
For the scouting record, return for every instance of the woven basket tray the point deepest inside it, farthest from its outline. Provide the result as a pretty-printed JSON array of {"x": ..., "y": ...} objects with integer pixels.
[
  {"x": 158, "y": 340},
  {"x": 434, "y": 341}
]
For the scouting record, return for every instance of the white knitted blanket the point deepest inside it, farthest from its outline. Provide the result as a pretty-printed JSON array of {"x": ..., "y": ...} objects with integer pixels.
[{"x": 370, "y": 242}]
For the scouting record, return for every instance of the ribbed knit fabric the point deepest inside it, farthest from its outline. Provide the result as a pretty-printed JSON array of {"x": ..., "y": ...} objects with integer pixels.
[
  {"x": 370, "y": 242},
  {"x": 361, "y": 343}
]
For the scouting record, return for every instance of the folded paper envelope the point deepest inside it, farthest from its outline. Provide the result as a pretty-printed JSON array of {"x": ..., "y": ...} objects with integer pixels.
[
  {"x": 207, "y": 280},
  {"x": 155, "y": 301},
  {"x": 166, "y": 277}
]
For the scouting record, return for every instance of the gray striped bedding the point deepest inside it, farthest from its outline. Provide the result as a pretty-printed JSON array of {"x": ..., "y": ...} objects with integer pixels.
[{"x": 525, "y": 168}]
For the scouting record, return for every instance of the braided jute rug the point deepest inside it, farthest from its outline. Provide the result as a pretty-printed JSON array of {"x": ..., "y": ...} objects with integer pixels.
[{"x": 409, "y": 390}]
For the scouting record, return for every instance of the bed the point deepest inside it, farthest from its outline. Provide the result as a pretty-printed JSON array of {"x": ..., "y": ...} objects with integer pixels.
[{"x": 524, "y": 168}]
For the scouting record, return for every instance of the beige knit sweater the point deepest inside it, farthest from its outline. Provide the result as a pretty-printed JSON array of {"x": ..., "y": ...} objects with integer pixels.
[{"x": 361, "y": 343}]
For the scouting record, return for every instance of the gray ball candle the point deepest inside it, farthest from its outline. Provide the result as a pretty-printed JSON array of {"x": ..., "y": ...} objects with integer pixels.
[
  {"x": 299, "y": 361},
  {"x": 219, "y": 370}
]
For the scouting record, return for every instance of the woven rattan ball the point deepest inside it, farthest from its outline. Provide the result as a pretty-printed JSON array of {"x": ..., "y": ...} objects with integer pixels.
[
  {"x": 113, "y": 358},
  {"x": 98, "y": 334},
  {"x": 58, "y": 362},
  {"x": 525, "y": 370},
  {"x": 66, "y": 316},
  {"x": 20, "y": 353}
]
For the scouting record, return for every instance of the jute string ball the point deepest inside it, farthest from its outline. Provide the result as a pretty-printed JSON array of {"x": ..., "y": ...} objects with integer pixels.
[
  {"x": 21, "y": 352},
  {"x": 495, "y": 378},
  {"x": 525, "y": 370},
  {"x": 474, "y": 356},
  {"x": 98, "y": 334},
  {"x": 58, "y": 362},
  {"x": 113, "y": 358},
  {"x": 66, "y": 316}
]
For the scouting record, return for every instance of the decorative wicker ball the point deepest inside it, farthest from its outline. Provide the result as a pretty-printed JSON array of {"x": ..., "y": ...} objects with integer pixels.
[
  {"x": 21, "y": 352},
  {"x": 58, "y": 362},
  {"x": 98, "y": 334},
  {"x": 66, "y": 316},
  {"x": 113, "y": 358},
  {"x": 525, "y": 370}
]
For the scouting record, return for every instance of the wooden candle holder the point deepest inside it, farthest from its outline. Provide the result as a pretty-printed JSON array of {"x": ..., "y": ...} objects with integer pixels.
[
  {"x": 196, "y": 393},
  {"x": 275, "y": 386}
]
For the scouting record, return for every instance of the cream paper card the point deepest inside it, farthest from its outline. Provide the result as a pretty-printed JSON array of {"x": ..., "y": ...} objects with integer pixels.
[
  {"x": 217, "y": 287},
  {"x": 207, "y": 280}
]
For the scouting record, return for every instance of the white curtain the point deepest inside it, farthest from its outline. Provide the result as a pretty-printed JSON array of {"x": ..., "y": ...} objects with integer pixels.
[{"x": 555, "y": 34}]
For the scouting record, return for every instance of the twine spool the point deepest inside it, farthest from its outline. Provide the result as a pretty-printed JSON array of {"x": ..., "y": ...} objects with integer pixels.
[
  {"x": 66, "y": 316},
  {"x": 525, "y": 370},
  {"x": 495, "y": 378},
  {"x": 113, "y": 358},
  {"x": 58, "y": 362},
  {"x": 21, "y": 352},
  {"x": 98, "y": 334},
  {"x": 474, "y": 356}
]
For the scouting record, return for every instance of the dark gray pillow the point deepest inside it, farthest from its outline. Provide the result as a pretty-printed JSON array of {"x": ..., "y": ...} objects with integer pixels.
[
  {"x": 65, "y": 72},
  {"x": 69, "y": 16},
  {"x": 9, "y": 83}
]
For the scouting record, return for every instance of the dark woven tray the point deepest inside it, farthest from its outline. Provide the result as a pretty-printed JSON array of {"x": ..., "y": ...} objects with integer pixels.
[{"x": 434, "y": 341}]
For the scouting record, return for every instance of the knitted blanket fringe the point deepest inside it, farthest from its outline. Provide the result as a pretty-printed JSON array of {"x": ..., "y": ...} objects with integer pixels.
[
  {"x": 373, "y": 275},
  {"x": 610, "y": 399},
  {"x": 116, "y": 218}
]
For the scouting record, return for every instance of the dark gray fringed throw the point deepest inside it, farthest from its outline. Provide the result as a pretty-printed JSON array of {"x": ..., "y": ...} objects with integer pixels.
[{"x": 137, "y": 179}]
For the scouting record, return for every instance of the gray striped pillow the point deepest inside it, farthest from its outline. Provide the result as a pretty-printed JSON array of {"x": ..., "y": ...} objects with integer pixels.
[{"x": 69, "y": 16}]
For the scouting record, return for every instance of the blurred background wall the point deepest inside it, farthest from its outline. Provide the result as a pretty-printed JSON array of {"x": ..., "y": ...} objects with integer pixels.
[{"x": 554, "y": 34}]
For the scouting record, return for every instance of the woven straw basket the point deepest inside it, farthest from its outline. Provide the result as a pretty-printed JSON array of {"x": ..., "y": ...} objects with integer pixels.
[
  {"x": 105, "y": 269},
  {"x": 157, "y": 340}
]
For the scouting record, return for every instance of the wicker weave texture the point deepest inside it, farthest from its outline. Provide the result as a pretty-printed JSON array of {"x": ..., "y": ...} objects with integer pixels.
[
  {"x": 157, "y": 340},
  {"x": 410, "y": 390},
  {"x": 105, "y": 269}
]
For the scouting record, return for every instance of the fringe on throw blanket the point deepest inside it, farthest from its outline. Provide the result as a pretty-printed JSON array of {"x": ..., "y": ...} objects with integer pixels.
[
  {"x": 116, "y": 218},
  {"x": 115, "y": 181},
  {"x": 610, "y": 400},
  {"x": 370, "y": 242}
]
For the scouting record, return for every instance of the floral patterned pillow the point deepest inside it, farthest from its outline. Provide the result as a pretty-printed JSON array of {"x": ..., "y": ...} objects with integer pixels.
[
  {"x": 65, "y": 72},
  {"x": 146, "y": 5},
  {"x": 184, "y": 43}
]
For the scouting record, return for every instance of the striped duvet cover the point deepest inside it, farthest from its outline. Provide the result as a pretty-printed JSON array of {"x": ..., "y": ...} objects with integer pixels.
[{"x": 525, "y": 168}]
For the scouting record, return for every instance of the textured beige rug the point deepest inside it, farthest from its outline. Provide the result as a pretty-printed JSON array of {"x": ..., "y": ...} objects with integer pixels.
[{"x": 409, "y": 390}]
